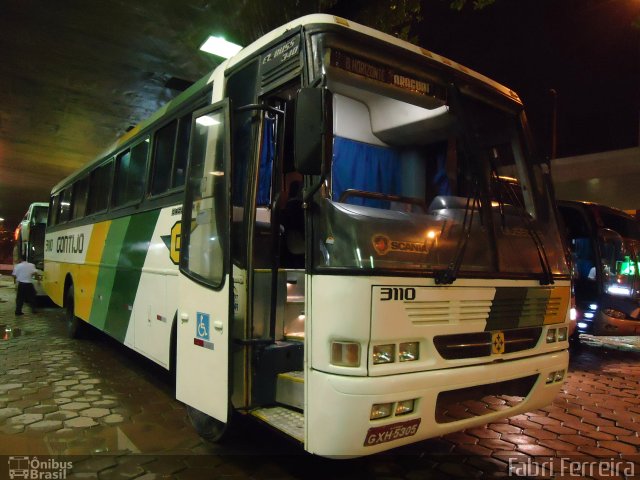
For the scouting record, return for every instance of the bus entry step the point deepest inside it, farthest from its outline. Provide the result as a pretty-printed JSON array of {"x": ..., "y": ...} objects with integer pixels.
[
  {"x": 286, "y": 420},
  {"x": 290, "y": 389}
]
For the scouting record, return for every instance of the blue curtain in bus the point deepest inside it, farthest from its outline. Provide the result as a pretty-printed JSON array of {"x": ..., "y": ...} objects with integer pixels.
[
  {"x": 362, "y": 166},
  {"x": 440, "y": 180},
  {"x": 267, "y": 155}
]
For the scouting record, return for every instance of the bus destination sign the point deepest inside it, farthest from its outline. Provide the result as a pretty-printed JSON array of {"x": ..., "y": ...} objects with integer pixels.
[{"x": 383, "y": 74}]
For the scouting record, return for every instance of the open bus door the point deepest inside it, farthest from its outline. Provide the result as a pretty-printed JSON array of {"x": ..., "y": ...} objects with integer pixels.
[{"x": 204, "y": 306}]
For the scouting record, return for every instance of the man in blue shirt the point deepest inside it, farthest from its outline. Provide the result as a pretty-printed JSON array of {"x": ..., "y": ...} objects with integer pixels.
[{"x": 23, "y": 273}]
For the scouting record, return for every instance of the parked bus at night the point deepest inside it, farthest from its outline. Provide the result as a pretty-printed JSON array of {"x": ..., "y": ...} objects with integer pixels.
[
  {"x": 341, "y": 254},
  {"x": 605, "y": 249},
  {"x": 29, "y": 234},
  {"x": 29, "y": 240}
]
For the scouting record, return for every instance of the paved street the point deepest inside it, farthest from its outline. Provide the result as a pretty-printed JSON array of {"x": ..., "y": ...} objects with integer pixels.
[{"x": 112, "y": 414}]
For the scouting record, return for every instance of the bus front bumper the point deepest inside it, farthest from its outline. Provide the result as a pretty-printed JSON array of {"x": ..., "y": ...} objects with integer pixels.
[{"x": 338, "y": 411}]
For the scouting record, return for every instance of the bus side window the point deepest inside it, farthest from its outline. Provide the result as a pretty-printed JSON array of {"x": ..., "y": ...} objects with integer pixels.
[
  {"x": 64, "y": 212},
  {"x": 80, "y": 189},
  {"x": 164, "y": 143},
  {"x": 179, "y": 170},
  {"x": 130, "y": 169},
  {"x": 53, "y": 210},
  {"x": 99, "y": 186}
]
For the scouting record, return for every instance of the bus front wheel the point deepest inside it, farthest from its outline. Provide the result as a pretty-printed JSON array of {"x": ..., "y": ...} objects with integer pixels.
[
  {"x": 74, "y": 324},
  {"x": 208, "y": 428}
]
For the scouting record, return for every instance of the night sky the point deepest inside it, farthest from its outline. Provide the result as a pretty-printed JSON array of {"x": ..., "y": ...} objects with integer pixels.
[{"x": 587, "y": 50}]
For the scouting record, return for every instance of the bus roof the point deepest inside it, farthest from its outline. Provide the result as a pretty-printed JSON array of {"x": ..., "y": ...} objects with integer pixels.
[
  {"x": 321, "y": 18},
  {"x": 594, "y": 205},
  {"x": 256, "y": 46}
]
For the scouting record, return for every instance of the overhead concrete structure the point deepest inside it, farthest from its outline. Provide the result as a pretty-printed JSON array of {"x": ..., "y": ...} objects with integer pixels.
[
  {"x": 74, "y": 76},
  {"x": 610, "y": 178}
]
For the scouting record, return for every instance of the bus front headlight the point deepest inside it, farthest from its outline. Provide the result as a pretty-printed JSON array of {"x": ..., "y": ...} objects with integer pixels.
[
  {"x": 551, "y": 335},
  {"x": 562, "y": 334},
  {"x": 405, "y": 407},
  {"x": 381, "y": 410},
  {"x": 409, "y": 351},
  {"x": 384, "y": 354}
]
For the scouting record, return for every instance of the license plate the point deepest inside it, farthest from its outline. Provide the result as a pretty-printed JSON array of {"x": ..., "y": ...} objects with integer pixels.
[{"x": 388, "y": 433}]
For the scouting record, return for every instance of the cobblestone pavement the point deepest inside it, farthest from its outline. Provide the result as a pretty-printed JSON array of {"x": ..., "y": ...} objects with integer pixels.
[{"x": 112, "y": 414}]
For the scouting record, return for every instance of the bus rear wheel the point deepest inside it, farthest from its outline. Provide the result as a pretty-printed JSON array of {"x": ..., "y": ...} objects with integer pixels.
[
  {"x": 75, "y": 325},
  {"x": 208, "y": 428}
]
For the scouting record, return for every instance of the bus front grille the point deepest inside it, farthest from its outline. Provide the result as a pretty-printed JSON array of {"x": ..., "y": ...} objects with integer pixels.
[
  {"x": 433, "y": 312},
  {"x": 478, "y": 344}
]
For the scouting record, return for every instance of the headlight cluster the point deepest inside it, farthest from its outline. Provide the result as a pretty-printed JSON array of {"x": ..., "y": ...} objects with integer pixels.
[
  {"x": 557, "y": 335},
  {"x": 407, "y": 352},
  {"x": 384, "y": 410},
  {"x": 555, "y": 376},
  {"x": 614, "y": 313}
]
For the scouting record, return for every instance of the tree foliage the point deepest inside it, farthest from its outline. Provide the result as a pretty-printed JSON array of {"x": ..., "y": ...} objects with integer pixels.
[
  {"x": 250, "y": 19},
  {"x": 477, "y": 4}
]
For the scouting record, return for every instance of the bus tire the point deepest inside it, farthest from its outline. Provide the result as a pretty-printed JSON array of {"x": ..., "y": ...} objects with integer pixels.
[
  {"x": 208, "y": 428},
  {"x": 75, "y": 325}
]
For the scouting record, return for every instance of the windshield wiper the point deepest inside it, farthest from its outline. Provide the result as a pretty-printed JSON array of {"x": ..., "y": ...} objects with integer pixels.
[
  {"x": 480, "y": 200},
  {"x": 547, "y": 274},
  {"x": 449, "y": 275}
]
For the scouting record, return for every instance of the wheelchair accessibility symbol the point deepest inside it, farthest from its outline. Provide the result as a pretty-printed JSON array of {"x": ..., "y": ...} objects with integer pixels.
[{"x": 202, "y": 326}]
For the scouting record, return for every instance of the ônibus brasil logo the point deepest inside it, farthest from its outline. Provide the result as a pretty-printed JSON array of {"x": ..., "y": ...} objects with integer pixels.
[{"x": 33, "y": 468}]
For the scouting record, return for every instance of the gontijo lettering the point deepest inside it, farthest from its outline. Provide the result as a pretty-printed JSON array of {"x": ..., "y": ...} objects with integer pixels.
[{"x": 70, "y": 243}]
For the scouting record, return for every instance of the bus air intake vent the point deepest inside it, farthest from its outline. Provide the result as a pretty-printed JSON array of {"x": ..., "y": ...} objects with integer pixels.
[
  {"x": 455, "y": 405},
  {"x": 553, "y": 308},
  {"x": 447, "y": 311},
  {"x": 521, "y": 311},
  {"x": 478, "y": 344}
]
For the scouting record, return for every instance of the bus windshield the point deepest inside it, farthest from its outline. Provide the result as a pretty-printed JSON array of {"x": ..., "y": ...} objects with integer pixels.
[
  {"x": 39, "y": 214},
  {"x": 428, "y": 176},
  {"x": 619, "y": 244},
  {"x": 620, "y": 267}
]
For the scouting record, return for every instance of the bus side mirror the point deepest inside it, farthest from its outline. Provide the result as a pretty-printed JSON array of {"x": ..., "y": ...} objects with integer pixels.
[{"x": 309, "y": 131}]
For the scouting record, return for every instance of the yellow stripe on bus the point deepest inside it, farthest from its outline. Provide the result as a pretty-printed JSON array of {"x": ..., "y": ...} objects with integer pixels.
[
  {"x": 87, "y": 275},
  {"x": 557, "y": 305}
]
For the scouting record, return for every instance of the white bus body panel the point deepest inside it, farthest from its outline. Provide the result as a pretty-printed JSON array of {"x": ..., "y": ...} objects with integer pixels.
[
  {"x": 344, "y": 396},
  {"x": 345, "y": 402},
  {"x": 202, "y": 365},
  {"x": 156, "y": 301}
]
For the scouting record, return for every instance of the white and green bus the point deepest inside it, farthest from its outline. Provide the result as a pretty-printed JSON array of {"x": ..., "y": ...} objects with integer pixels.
[{"x": 339, "y": 233}]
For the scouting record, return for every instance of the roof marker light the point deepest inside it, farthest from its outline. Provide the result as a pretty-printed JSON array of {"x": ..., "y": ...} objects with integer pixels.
[{"x": 220, "y": 47}]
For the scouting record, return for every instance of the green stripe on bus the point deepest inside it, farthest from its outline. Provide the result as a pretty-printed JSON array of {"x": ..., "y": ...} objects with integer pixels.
[
  {"x": 506, "y": 308},
  {"x": 537, "y": 302},
  {"x": 106, "y": 275},
  {"x": 516, "y": 307},
  {"x": 133, "y": 253}
]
